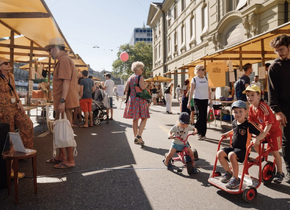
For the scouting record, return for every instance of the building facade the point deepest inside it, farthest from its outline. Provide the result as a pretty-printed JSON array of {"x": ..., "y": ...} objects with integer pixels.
[
  {"x": 141, "y": 34},
  {"x": 187, "y": 30}
]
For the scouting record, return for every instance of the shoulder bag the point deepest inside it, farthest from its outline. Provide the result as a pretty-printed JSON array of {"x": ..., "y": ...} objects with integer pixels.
[{"x": 145, "y": 93}]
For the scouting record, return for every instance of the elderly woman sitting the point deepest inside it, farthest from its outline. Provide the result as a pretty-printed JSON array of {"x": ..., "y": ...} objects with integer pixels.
[{"x": 11, "y": 109}]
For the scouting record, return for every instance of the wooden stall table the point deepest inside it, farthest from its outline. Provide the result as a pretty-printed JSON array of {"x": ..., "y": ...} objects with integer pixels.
[
  {"x": 15, "y": 156},
  {"x": 223, "y": 104},
  {"x": 43, "y": 107}
]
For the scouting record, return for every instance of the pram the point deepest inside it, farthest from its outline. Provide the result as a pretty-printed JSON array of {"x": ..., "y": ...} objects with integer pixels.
[{"x": 99, "y": 112}]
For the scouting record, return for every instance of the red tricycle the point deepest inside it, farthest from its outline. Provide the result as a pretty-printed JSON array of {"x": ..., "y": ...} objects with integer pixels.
[
  {"x": 184, "y": 156},
  {"x": 248, "y": 184}
]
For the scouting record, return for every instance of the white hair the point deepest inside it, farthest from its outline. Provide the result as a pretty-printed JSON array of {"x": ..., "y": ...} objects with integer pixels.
[
  {"x": 136, "y": 65},
  {"x": 197, "y": 68}
]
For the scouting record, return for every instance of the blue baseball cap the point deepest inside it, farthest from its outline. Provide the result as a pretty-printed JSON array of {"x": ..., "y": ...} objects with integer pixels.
[
  {"x": 184, "y": 118},
  {"x": 239, "y": 104}
]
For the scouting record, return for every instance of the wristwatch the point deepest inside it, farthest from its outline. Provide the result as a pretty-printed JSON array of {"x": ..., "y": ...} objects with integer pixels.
[{"x": 62, "y": 100}]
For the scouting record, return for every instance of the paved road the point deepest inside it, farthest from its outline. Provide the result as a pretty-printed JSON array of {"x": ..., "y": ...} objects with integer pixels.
[{"x": 113, "y": 173}]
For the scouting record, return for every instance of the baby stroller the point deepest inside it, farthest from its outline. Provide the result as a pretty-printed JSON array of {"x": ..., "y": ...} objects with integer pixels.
[
  {"x": 99, "y": 109},
  {"x": 99, "y": 112}
]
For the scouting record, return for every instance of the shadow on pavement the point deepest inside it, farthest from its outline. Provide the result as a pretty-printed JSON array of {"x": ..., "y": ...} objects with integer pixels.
[
  {"x": 102, "y": 179},
  {"x": 260, "y": 202}
]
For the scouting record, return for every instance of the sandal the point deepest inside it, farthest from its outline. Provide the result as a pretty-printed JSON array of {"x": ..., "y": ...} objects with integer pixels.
[
  {"x": 20, "y": 175},
  {"x": 54, "y": 161},
  {"x": 82, "y": 126},
  {"x": 62, "y": 166}
]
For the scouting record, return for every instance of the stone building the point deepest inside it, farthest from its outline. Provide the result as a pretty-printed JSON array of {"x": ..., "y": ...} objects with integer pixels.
[{"x": 185, "y": 31}]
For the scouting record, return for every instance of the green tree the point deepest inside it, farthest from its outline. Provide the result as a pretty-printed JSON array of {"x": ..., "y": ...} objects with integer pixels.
[{"x": 141, "y": 51}]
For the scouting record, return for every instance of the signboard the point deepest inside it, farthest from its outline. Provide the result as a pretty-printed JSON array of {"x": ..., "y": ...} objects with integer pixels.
[{"x": 262, "y": 72}]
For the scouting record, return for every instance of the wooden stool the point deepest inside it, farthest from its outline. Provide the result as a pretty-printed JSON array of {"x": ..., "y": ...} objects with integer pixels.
[{"x": 30, "y": 153}]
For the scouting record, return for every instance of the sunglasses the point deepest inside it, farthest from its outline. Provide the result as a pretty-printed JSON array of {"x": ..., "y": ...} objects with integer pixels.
[
  {"x": 201, "y": 69},
  {"x": 4, "y": 63}
]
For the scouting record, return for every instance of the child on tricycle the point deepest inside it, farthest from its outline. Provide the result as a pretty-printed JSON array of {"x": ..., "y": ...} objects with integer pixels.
[
  {"x": 241, "y": 137},
  {"x": 261, "y": 114},
  {"x": 180, "y": 130}
]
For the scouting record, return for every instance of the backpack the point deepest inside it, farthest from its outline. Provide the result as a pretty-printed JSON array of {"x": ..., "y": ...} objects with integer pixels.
[
  {"x": 240, "y": 86},
  {"x": 167, "y": 90}
]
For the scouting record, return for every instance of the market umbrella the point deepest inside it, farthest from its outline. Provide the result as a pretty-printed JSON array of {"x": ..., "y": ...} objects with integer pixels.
[{"x": 158, "y": 79}]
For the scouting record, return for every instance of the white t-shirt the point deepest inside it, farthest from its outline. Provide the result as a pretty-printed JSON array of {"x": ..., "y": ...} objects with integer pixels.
[
  {"x": 201, "y": 87},
  {"x": 109, "y": 84},
  {"x": 177, "y": 91},
  {"x": 180, "y": 132},
  {"x": 256, "y": 83}
]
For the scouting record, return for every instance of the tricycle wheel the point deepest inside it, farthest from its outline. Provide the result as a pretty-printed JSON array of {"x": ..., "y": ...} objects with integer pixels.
[
  {"x": 249, "y": 194},
  {"x": 217, "y": 173},
  {"x": 189, "y": 167},
  {"x": 195, "y": 154},
  {"x": 268, "y": 172}
]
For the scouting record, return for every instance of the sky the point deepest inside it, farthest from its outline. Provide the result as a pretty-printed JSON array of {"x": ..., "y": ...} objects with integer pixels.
[{"x": 107, "y": 24}]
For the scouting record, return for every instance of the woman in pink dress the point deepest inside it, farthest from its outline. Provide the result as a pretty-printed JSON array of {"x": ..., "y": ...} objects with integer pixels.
[{"x": 136, "y": 107}]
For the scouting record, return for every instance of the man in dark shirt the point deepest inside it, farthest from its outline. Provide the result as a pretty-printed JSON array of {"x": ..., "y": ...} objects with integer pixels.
[
  {"x": 86, "y": 90},
  {"x": 248, "y": 71},
  {"x": 279, "y": 94}
]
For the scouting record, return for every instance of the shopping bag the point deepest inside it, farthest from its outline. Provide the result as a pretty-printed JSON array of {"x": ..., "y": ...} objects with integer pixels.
[
  {"x": 63, "y": 135},
  {"x": 210, "y": 115}
]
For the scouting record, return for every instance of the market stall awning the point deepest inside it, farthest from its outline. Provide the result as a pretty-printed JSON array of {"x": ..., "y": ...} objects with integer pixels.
[
  {"x": 31, "y": 18},
  {"x": 158, "y": 79},
  {"x": 78, "y": 61},
  {"x": 253, "y": 50}
]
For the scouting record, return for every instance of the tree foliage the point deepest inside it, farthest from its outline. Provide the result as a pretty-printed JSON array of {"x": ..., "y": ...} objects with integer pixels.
[{"x": 141, "y": 51}]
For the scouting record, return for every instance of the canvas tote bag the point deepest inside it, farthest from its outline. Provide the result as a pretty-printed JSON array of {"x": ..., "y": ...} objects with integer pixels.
[{"x": 63, "y": 135}]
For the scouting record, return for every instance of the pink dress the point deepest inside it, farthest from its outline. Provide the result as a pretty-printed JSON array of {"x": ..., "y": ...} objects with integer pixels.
[{"x": 136, "y": 107}]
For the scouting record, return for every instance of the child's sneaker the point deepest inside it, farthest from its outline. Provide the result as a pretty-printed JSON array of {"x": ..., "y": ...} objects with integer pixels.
[
  {"x": 225, "y": 178},
  {"x": 287, "y": 178},
  {"x": 233, "y": 183},
  {"x": 169, "y": 164},
  {"x": 278, "y": 178},
  {"x": 194, "y": 170}
]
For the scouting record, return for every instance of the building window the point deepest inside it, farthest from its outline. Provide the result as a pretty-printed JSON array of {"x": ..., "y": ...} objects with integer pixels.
[
  {"x": 175, "y": 12},
  {"x": 175, "y": 41},
  {"x": 182, "y": 33},
  {"x": 182, "y": 5},
  {"x": 168, "y": 18},
  {"x": 192, "y": 27},
  {"x": 231, "y": 5},
  {"x": 204, "y": 19},
  {"x": 168, "y": 45}
]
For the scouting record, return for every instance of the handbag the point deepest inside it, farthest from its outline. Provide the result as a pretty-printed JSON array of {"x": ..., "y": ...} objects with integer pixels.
[
  {"x": 145, "y": 93},
  {"x": 63, "y": 135}
]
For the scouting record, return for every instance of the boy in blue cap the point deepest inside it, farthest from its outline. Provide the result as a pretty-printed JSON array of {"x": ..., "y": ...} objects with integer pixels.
[{"x": 241, "y": 132}]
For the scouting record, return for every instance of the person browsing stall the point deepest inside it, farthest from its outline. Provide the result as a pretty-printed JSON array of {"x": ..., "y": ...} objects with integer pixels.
[
  {"x": 108, "y": 87},
  {"x": 65, "y": 94},
  {"x": 201, "y": 90},
  {"x": 86, "y": 90},
  {"x": 241, "y": 132},
  {"x": 261, "y": 114}
]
